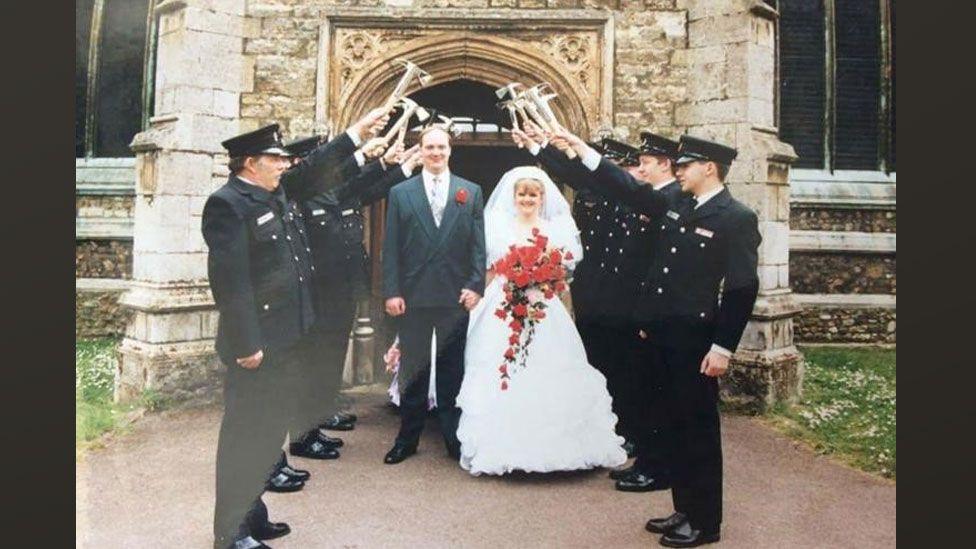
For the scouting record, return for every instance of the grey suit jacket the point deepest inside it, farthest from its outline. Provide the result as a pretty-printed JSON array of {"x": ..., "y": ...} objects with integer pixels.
[{"x": 428, "y": 265}]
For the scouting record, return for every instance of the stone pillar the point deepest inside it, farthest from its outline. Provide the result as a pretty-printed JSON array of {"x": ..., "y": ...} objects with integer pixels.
[
  {"x": 200, "y": 73},
  {"x": 731, "y": 61}
]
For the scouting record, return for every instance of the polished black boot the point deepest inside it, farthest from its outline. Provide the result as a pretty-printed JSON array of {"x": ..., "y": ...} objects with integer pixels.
[
  {"x": 642, "y": 482},
  {"x": 312, "y": 448},
  {"x": 683, "y": 535},
  {"x": 282, "y": 483},
  {"x": 664, "y": 525},
  {"x": 338, "y": 423},
  {"x": 333, "y": 442},
  {"x": 618, "y": 474},
  {"x": 630, "y": 448},
  {"x": 271, "y": 530}
]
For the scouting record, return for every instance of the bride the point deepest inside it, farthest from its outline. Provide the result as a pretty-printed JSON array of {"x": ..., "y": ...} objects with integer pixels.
[{"x": 554, "y": 413}]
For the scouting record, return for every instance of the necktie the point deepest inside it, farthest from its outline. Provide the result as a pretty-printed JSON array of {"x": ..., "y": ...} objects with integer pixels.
[{"x": 435, "y": 207}]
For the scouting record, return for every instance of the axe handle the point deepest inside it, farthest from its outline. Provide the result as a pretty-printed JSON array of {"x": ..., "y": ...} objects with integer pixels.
[{"x": 399, "y": 123}]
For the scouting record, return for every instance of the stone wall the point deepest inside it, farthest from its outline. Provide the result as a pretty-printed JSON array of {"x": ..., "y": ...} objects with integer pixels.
[
  {"x": 103, "y": 259},
  {"x": 842, "y": 219},
  {"x": 97, "y": 309},
  {"x": 832, "y": 273},
  {"x": 845, "y": 325}
]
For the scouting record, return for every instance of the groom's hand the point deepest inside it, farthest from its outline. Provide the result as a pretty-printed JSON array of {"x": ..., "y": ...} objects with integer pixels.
[
  {"x": 469, "y": 299},
  {"x": 396, "y": 306}
]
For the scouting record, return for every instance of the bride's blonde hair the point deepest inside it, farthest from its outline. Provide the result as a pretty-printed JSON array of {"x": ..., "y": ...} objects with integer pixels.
[{"x": 529, "y": 181}]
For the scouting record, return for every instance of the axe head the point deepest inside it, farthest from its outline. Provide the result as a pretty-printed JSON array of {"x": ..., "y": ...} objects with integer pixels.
[
  {"x": 421, "y": 113},
  {"x": 509, "y": 89}
]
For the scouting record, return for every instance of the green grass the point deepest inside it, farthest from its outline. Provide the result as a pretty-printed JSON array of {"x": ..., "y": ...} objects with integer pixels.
[
  {"x": 95, "y": 413},
  {"x": 848, "y": 407}
]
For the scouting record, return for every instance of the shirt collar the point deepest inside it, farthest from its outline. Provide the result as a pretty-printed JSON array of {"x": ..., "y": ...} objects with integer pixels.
[
  {"x": 660, "y": 186},
  {"x": 429, "y": 177},
  {"x": 709, "y": 195}
]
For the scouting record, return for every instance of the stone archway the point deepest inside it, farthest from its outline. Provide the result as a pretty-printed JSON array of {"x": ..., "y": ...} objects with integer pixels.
[{"x": 449, "y": 56}]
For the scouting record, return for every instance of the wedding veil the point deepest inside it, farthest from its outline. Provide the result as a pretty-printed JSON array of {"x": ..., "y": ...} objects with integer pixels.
[{"x": 500, "y": 214}]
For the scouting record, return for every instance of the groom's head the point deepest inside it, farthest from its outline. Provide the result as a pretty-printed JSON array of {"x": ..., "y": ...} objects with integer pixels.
[{"x": 435, "y": 149}]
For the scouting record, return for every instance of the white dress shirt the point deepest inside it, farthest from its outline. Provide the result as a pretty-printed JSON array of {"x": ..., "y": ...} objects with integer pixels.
[
  {"x": 708, "y": 196},
  {"x": 443, "y": 184}
]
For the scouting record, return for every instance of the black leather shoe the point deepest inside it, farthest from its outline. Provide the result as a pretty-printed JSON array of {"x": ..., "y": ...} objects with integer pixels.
[
  {"x": 618, "y": 474},
  {"x": 683, "y": 535},
  {"x": 312, "y": 449},
  {"x": 296, "y": 474},
  {"x": 248, "y": 543},
  {"x": 334, "y": 442},
  {"x": 347, "y": 416},
  {"x": 283, "y": 483},
  {"x": 271, "y": 530},
  {"x": 664, "y": 525},
  {"x": 398, "y": 453},
  {"x": 336, "y": 423},
  {"x": 630, "y": 448},
  {"x": 642, "y": 482}
]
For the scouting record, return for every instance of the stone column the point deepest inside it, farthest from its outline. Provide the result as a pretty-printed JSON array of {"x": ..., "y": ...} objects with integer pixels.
[
  {"x": 200, "y": 73},
  {"x": 731, "y": 60}
]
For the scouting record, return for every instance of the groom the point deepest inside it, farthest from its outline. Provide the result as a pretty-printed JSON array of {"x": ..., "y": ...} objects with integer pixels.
[{"x": 433, "y": 274}]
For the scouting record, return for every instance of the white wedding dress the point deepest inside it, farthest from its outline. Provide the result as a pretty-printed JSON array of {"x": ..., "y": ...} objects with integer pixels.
[{"x": 556, "y": 412}]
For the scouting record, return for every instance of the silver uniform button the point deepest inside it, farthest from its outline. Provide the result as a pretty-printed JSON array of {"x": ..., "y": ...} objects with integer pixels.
[
  {"x": 287, "y": 237},
  {"x": 665, "y": 270},
  {"x": 660, "y": 290},
  {"x": 621, "y": 250},
  {"x": 312, "y": 267},
  {"x": 628, "y": 233},
  {"x": 296, "y": 258},
  {"x": 274, "y": 237},
  {"x": 601, "y": 265},
  {"x": 309, "y": 250},
  {"x": 300, "y": 279},
  {"x": 266, "y": 307},
  {"x": 702, "y": 315},
  {"x": 702, "y": 244},
  {"x": 597, "y": 218},
  {"x": 321, "y": 222},
  {"x": 587, "y": 247},
  {"x": 614, "y": 269},
  {"x": 611, "y": 235},
  {"x": 673, "y": 249},
  {"x": 682, "y": 229},
  {"x": 662, "y": 227}
]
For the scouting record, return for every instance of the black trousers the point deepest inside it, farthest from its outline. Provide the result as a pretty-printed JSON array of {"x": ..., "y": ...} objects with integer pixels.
[
  {"x": 256, "y": 414},
  {"x": 317, "y": 388},
  {"x": 692, "y": 424},
  {"x": 608, "y": 350},
  {"x": 416, "y": 327},
  {"x": 654, "y": 450}
]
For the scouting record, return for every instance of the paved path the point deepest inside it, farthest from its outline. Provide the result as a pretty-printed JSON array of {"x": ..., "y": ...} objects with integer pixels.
[{"x": 154, "y": 488}]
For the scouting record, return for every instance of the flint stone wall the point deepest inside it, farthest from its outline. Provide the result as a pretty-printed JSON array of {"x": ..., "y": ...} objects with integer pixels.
[
  {"x": 103, "y": 259},
  {"x": 842, "y": 219},
  {"x": 845, "y": 325},
  {"x": 832, "y": 273},
  {"x": 97, "y": 309}
]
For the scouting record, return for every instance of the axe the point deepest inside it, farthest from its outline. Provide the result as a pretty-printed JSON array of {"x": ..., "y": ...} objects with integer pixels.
[
  {"x": 410, "y": 107},
  {"x": 412, "y": 71},
  {"x": 510, "y": 107},
  {"x": 541, "y": 101},
  {"x": 528, "y": 105}
]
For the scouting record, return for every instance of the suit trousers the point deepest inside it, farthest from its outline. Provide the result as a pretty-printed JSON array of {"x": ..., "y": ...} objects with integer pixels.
[
  {"x": 251, "y": 432},
  {"x": 654, "y": 450},
  {"x": 692, "y": 424},
  {"x": 416, "y": 327}
]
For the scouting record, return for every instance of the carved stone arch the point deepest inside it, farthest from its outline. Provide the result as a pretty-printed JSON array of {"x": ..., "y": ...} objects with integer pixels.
[{"x": 448, "y": 56}]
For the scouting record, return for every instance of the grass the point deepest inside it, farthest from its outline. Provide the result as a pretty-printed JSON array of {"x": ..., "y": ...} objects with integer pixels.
[
  {"x": 95, "y": 413},
  {"x": 848, "y": 407}
]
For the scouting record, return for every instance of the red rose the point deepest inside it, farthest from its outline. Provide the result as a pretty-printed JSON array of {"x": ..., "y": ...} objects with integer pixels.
[
  {"x": 541, "y": 241},
  {"x": 503, "y": 369},
  {"x": 504, "y": 386},
  {"x": 522, "y": 279},
  {"x": 549, "y": 295},
  {"x": 539, "y": 315},
  {"x": 461, "y": 196},
  {"x": 568, "y": 256},
  {"x": 500, "y": 313},
  {"x": 513, "y": 339},
  {"x": 509, "y": 353},
  {"x": 520, "y": 310},
  {"x": 515, "y": 325}
]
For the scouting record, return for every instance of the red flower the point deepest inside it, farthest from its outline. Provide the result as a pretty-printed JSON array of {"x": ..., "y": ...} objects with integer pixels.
[
  {"x": 549, "y": 294},
  {"x": 568, "y": 256},
  {"x": 461, "y": 196},
  {"x": 560, "y": 286},
  {"x": 535, "y": 231},
  {"x": 504, "y": 385},
  {"x": 539, "y": 315},
  {"x": 509, "y": 353},
  {"x": 519, "y": 311},
  {"x": 503, "y": 369},
  {"x": 515, "y": 325},
  {"x": 541, "y": 241},
  {"x": 500, "y": 313},
  {"x": 513, "y": 339},
  {"x": 522, "y": 279}
]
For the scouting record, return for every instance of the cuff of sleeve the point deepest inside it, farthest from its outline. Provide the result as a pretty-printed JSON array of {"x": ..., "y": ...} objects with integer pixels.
[
  {"x": 591, "y": 159},
  {"x": 721, "y": 350},
  {"x": 534, "y": 148},
  {"x": 355, "y": 137},
  {"x": 360, "y": 158},
  {"x": 406, "y": 172}
]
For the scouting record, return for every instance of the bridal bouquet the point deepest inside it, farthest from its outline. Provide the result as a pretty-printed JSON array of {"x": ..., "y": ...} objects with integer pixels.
[{"x": 531, "y": 272}]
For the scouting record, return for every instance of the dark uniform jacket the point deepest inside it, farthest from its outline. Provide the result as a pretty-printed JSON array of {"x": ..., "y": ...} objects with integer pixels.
[
  {"x": 336, "y": 230},
  {"x": 259, "y": 260},
  {"x": 428, "y": 265},
  {"x": 703, "y": 281}
]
